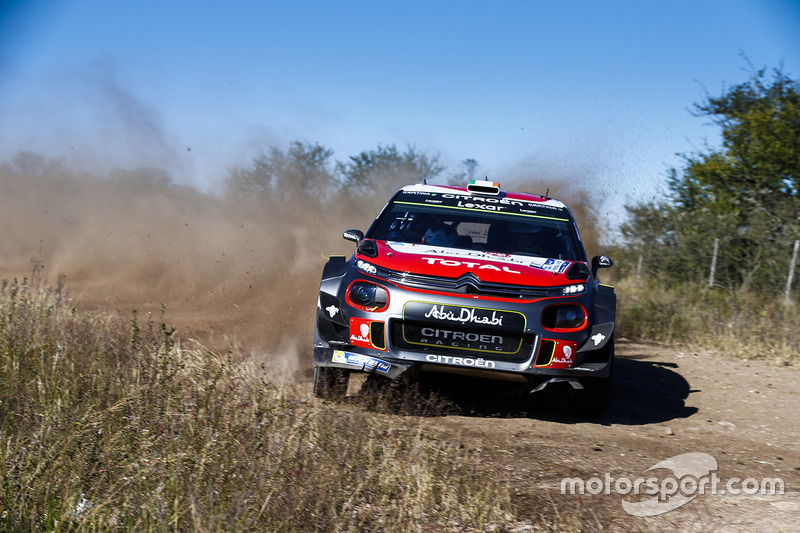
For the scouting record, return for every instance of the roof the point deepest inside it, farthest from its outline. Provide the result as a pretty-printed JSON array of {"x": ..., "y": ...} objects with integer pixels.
[{"x": 463, "y": 191}]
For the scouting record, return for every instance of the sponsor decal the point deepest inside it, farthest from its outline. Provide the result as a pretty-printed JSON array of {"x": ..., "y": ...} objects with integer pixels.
[
  {"x": 542, "y": 206},
  {"x": 482, "y": 200},
  {"x": 556, "y": 354},
  {"x": 464, "y": 316},
  {"x": 462, "y": 361},
  {"x": 473, "y": 205},
  {"x": 466, "y": 258},
  {"x": 364, "y": 361},
  {"x": 473, "y": 265},
  {"x": 563, "y": 355},
  {"x": 474, "y": 341},
  {"x": 598, "y": 338},
  {"x": 461, "y": 339},
  {"x": 556, "y": 266},
  {"x": 501, "y": 204},
  {"x": 360, "y": 333},
  {"x": 467, "y": 314},
  {"x": 427, "y": 249},
  {"x": 332, "y": 310}
]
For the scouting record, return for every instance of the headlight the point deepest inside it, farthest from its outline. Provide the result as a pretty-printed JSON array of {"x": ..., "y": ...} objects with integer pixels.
[
  {"x": 368, "y": 296},
  {"x": 363, "y": 266},
  {"x": 573, "y": 289},
  {"x": 564, "y": 317}
]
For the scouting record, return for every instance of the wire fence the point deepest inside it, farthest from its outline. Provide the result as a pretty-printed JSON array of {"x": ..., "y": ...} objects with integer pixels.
[{"x": 644, "y": 263}]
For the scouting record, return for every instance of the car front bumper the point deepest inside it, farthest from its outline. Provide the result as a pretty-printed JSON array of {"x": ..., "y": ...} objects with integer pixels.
[{"x": 498, "y": 338}]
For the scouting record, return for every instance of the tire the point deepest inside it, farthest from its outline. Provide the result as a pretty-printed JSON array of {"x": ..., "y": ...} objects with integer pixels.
[
  {"x": 592, "y": 400},
  {"x": 330, "y": 383}
]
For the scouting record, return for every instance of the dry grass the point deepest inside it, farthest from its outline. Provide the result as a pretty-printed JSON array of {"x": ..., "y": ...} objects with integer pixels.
[
  {"x": 108, "y": 425},
  {"x": 737, "y": 324}
]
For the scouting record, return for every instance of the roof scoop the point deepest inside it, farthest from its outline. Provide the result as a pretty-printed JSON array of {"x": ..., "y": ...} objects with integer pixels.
[{"x": 483, "y": 187}]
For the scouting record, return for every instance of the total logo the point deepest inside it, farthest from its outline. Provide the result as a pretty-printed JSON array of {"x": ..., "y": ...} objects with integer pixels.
[{"x": 468, "y": 264}]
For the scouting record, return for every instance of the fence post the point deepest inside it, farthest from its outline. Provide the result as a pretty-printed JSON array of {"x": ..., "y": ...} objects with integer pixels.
[
  {"x": 639, "y": 267},
  {"x": 792, "y": 266},
  {"x": 713, "y": 265}
]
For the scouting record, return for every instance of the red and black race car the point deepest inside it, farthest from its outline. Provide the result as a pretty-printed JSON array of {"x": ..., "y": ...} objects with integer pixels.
[{"x": 474, "y": 281}]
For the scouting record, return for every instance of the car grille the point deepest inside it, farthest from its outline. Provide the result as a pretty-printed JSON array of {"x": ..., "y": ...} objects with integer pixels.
[
  {"x": 461, "y": 342},
  {"x": 469, "y": 283}
]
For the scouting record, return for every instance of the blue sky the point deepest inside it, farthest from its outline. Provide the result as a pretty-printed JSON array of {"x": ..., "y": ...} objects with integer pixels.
[{"x": 596, "y": 90}]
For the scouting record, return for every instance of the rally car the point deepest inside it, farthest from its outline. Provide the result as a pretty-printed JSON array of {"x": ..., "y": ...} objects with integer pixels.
[{"x": 468, "y": 281}]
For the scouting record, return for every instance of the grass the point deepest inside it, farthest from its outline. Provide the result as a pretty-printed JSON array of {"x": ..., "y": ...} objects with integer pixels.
[
  {"x": 108, "y": 424},
  {"x": 738, "y": 324}
]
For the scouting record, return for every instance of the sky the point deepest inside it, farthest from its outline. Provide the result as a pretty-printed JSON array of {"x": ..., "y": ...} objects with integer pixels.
[{"x": 601, "y": 92}]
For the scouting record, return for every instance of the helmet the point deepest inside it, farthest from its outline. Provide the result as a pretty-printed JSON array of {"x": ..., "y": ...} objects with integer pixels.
[{"x": 440, "y": 236}]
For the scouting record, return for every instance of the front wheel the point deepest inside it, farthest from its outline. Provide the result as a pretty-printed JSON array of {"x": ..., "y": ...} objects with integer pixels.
[
  {"x": 330, "y": 383},
  {"x": 592, "y": 400}
]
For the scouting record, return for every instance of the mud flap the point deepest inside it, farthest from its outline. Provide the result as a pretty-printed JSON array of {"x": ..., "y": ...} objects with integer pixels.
[{"x": 601, "y": 334}]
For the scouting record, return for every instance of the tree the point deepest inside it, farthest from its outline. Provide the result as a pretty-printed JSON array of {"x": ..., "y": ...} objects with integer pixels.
[
  {"x": 32, "y": 165},
  {"x": 302, "y": 172},
  {"x": 746, "y": 194},
  {"x": 468, "y": 170},
  {"x": 381, "y": 172}
]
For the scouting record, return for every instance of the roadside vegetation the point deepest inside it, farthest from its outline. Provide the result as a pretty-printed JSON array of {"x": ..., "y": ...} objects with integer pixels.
[
  {"x": 714, "y": 262},
  {"x": 742, "y": 325},
  {"x": 113, "y": 425}
]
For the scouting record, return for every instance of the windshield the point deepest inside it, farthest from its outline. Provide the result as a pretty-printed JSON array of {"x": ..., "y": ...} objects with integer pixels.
[{"x": 550, "y": 235}]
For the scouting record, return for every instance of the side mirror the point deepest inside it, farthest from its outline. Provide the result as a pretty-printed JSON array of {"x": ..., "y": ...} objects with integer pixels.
[
  {"x": 353, "y": 235},
  {"x": 600, "y": 261}
]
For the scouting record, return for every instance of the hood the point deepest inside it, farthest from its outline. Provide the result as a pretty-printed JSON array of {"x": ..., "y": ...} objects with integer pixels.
[{"x": 455, "y": 262}]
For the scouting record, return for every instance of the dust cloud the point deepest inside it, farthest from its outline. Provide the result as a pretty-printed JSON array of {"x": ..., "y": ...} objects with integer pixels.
[
  {"x": 574, "y": 189},
  {"x": 233, "y": 274}
]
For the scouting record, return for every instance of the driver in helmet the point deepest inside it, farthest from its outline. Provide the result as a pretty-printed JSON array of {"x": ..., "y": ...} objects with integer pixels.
[{"x": 440, "y": 235}]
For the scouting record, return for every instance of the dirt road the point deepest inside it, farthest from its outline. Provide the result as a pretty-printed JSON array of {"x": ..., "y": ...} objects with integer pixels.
[
  {"x": 743, "y": 415},
  {"x": 666, "y": 403}
]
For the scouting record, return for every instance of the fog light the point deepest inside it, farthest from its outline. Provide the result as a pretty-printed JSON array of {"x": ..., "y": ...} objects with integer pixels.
[
  {"x": 368, "y": 296},
  {"x": 564, "y": 317}
]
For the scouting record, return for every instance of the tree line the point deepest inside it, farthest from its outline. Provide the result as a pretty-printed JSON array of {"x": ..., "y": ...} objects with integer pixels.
[
  {"x": 304, "y": 171},
  {"x": 308, "y": 171},
  {"x": 742, "y": 198},
  {"x": 744, "y": 195}
]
